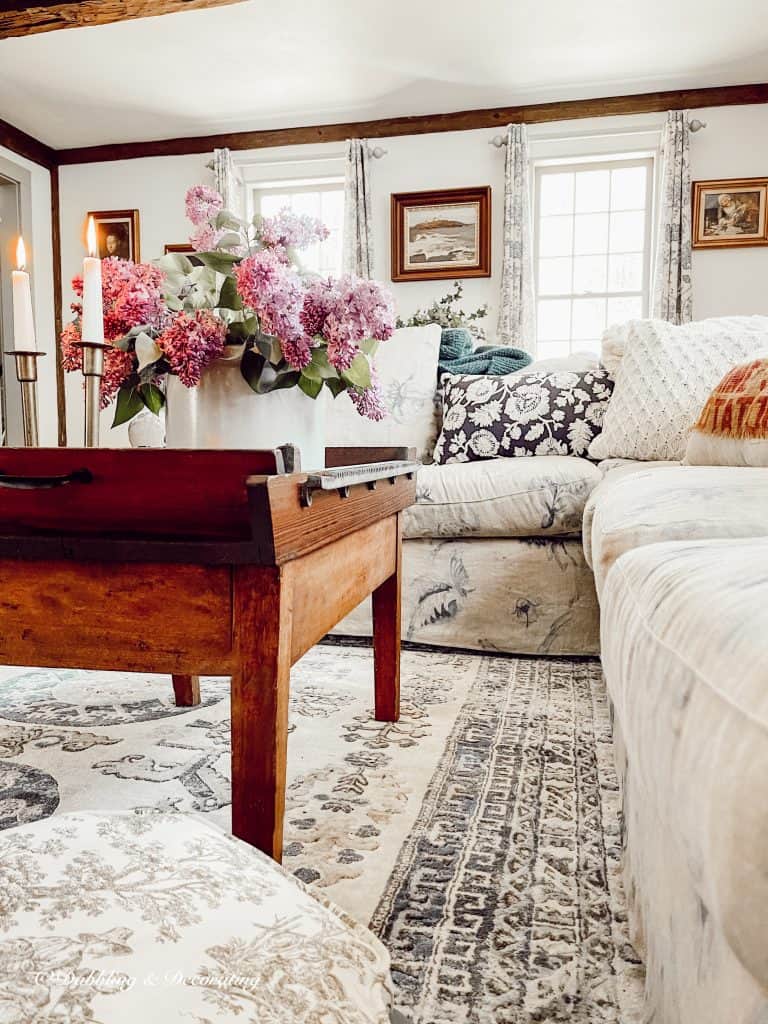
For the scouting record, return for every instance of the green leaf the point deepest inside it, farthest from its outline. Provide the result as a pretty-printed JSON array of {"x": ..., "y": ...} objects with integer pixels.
[
  {"x": 369, "y": 346},
  {"x": 230, "y": 239},
  {"x": 228, "y": 296},
  {"x": 288, "y": 379},
  {"x": 219, "y": 261},
  {"x": 147, "y": 350},
  {"x": 173, "y": 302},
  {"x": 129, "y": 402},
  {"x": 152, "y": 397},
  {"x": 335, "y": 386},
  {"x": 312, "y": 372},
  {"x": 320, "y": 361},
  {"x": 310, "y": 387},
  {"x": 229, "y": 221},
  {"x": 175, "y": 262},
  {"x": 359, "y": 373},
  {"x": 251, "y": 366}
]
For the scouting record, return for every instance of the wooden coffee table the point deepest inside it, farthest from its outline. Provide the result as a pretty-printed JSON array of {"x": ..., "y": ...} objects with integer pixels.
[{"x": 204, "y": 562}]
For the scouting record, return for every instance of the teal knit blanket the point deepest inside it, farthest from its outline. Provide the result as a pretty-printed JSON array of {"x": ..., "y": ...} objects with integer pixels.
[{"x": 458, "y": 356}]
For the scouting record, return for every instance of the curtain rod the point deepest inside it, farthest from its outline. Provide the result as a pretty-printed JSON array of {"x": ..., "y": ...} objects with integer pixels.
[
  {"x": 375, "y": 152},
  {"x": 499, "y": 141}
]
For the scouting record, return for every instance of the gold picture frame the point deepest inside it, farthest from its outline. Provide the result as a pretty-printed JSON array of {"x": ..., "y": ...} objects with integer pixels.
[{"x": 730, "y": 213}]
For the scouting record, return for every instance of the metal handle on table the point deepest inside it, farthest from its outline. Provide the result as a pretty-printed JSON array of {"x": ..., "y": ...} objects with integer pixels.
[{"x": 33, "y": 483}]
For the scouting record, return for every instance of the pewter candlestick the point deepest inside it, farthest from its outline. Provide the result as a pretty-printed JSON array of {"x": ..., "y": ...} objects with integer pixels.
[
  {"x": 93, "y": 371},
  {"x": 26, "y": 374}
]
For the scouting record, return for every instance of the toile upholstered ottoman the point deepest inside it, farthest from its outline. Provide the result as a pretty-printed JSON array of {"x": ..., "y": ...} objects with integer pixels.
[{"x": 124, "y": 918}]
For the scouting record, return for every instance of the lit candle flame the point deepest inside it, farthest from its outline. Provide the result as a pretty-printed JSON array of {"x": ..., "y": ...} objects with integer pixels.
[
  {"x": 21, "y": 254},
  {"x": 91, "y": 236}
]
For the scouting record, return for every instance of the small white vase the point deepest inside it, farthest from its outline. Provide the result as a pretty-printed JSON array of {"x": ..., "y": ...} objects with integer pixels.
[{"x": 223, "y": 412}]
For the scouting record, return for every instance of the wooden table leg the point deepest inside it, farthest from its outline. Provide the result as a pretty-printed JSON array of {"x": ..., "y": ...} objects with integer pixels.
[
  {"x": 186, "y": 689},
  {"x": 260, "y": 693},
  {"x": 386, "y": 640}
]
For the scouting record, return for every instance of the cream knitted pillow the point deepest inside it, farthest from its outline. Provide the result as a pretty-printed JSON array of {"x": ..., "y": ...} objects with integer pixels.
[{"x": 663, "y": 379}]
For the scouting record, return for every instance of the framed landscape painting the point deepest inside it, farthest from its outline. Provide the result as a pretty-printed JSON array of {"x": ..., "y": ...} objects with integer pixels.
[
  {"x": 732, "y": 212},
  {"x": 442, "y": 234},
  {"x": 117, "y": 233}
]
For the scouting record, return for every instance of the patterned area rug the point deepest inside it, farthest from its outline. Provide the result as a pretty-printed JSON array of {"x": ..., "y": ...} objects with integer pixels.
[{"x": 479, "y": 836}]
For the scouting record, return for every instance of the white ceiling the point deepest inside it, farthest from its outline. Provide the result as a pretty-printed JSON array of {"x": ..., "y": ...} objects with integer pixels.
[{"x": 260, "y": 65}]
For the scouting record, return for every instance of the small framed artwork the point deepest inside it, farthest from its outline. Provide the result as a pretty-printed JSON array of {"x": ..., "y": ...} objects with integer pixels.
[
  {"x": 117, "y": 233},
  {"x": 441, "y": 234},
  {"x": 730, "y": 213}
]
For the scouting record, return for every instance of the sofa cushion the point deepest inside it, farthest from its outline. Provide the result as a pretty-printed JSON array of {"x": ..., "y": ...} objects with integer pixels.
[
  {"x": 407, "y": 368},
  {"x": 528, "y": 413},
  {"x": 539, "y": 496},
  {"x": 674, "y": 503},
  {"x": 685, "y": 649},
  {"x": 663, "y": 379},
  {"x": 173, "y": 921}
]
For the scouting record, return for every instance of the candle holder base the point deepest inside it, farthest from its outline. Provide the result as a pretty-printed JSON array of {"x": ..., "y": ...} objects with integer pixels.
[
  {"x": 93, "y": 371},
  {"x": 26, "y": 374}
]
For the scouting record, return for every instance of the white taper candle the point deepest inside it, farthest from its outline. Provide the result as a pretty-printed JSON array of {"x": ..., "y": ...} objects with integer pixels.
[
  {"x": 92, "y": 327},
  {"x": 23, "y": 322}
]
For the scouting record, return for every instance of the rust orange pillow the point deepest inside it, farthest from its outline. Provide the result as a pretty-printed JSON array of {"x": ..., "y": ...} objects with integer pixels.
[{"x": 732, "y": 429}]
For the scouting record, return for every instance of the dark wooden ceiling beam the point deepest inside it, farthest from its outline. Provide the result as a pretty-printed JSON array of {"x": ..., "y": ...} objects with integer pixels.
[
  {"x": 25, "y": 145},
  {"x": 20, "y": 19},
  {"x": 496, "y": 117}
]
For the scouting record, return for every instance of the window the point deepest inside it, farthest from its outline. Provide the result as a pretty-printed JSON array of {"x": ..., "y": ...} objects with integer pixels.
[
  {"x": 319, "y": 197},
  {"x": 592, "y": 250}
]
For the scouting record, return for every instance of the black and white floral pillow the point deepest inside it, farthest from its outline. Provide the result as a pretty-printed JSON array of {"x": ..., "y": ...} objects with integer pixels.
[{"x": 546, "y": 413}]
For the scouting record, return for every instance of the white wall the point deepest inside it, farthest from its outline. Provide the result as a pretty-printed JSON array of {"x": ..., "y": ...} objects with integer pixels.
[
  {"x": 37, "y": 236},
  {"x": 735, "y": 144}
]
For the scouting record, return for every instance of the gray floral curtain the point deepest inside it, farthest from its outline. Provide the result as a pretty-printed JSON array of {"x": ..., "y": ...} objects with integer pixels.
[
  {"x": 517, "y": 312},
  {"x": 225, "y": 181},
  {"x": 672, "y": 290},
  {"x": 358, "y": 243}
]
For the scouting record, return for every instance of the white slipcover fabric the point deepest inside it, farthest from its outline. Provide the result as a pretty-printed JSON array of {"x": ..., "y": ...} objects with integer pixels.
[
  {"x": 663, "y": 379},
  {"x": 407, "y": 368},
  {"x": 685, "y": 652},
  {"x": 162, "y": 917},
  {"x": 531, "y": 595},
  {"x": 519, "y": 497},
  {"x": 641, "y": 507}
]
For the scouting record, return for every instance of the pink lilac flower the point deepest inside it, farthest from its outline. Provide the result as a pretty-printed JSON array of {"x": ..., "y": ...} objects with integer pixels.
[
  {"x": 369, "y": 402},
  {"x": 319, "y": 301},
  {"x": 118, "y": 365},
  {"x": 202, "y": 204},
  {"x": 341, "y": 346},
  {"x": 132, "y": 296},
  {"x": 192, "y": 342},
  {"x": 292, "y": 229},
  {"x": 205, "y": 238},
  {"x": 274, "y": 292},
  {"x": 368, "y": 306}
]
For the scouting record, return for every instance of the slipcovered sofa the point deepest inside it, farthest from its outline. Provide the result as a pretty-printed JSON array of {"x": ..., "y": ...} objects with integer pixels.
[
  {"x": 493, "y": 557},
  {"x": 680, "y": 555}
]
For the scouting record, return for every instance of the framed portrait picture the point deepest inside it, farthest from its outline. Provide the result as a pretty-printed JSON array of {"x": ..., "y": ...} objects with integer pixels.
[
  {"x": 117, "y": 233},
  {"x": 441, "y": 234},
  {"x": 729, "y": 213}
]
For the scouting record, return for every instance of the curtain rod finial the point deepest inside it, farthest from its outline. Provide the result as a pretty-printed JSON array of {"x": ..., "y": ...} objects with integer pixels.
[
  {"x": 498, "y": 141},
  {"x": 696, "y": 125}
]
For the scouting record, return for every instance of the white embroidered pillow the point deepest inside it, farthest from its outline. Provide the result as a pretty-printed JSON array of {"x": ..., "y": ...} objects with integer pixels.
[{"x": 663, "y": 379}]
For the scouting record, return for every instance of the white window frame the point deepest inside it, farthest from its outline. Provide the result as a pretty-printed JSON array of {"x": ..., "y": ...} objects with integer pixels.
[{"x": 600, "y": 161}]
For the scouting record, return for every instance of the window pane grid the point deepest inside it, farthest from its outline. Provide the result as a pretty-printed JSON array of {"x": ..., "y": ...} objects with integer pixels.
[
  {"x": 592, "y": 249},
  {"x": 324, "y": 200}
]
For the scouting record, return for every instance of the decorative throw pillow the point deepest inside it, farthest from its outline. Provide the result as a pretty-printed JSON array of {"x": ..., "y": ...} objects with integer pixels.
[
  {"x": 733, "y": 427},
  {"x": 521, "y": 414},
  {"x": 663, "y": 379},
  {"x": 407, "y": 369}
]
